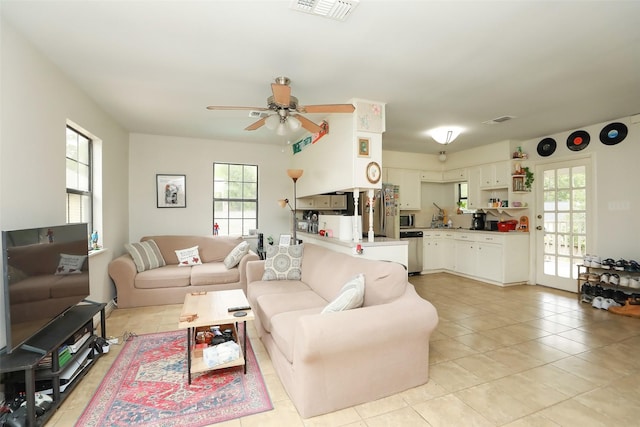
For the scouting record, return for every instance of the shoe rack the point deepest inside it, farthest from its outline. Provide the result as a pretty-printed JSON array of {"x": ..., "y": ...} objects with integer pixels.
[{"x": 587, "y": 274}]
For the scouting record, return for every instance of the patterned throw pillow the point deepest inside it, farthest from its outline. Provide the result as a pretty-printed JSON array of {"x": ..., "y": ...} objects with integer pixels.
[
  {"x": 351, "y": 296},
  {"x": 146, "y": 255},
  {"x": 283, "y": 263},
  {"x": 189, "y": 256},
  {"x": 236, "y": 255},
  {"x": 70, "y": 264}
]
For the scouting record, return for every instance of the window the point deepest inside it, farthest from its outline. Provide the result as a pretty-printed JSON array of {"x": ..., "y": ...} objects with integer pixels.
[
  {"x": 79, "y": 190},
  {"x": 463, "y": 195},
  {"x": 235, "y": 198}
]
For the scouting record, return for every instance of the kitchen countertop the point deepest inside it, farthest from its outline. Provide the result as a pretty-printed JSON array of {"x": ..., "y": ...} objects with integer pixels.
[
  {"x": 378, "y": 241},
  {"x": 461, "y": 230}
]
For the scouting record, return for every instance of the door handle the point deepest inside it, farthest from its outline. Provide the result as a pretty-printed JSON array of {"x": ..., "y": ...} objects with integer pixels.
[{"x": 539, "y": 227}]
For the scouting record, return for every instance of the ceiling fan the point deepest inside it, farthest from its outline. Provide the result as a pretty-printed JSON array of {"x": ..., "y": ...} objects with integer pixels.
[{"x": 285, "y": 106}]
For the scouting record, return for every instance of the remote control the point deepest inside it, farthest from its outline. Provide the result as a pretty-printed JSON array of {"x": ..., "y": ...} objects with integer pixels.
[{"x": 239, "y": 308}]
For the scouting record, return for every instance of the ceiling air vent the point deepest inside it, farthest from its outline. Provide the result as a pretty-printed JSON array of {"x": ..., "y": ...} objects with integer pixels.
[
  {"x": 498, "y": 120},
  {"x": 258, "y": 114},
  {"x": 333, "y": 9}
]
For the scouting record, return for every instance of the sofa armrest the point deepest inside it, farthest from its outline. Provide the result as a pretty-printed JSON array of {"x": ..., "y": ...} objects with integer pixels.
[
  {"x": 255, "y": 271},
  {"x": 122, "y": 271},
  {"x": 242, "y": 267},
  {"x": 367, "y": 330}
]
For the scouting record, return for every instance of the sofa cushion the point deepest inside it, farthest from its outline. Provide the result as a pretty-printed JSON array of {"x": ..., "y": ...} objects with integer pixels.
[
  {"x": 384, "y": 281},
  {"x": 351, "y": 296},
  {"x": 257, "y": 289},
  {"x": 283, "y": 262},
  {"x": 169, "y": 276},
  {"x": 188, "y": 256},
  {"x": 146, "y": 255},
  {"x": 236, "y": 255},
  {"x": 213, "y": 273},
  {"x": 211, "y": 248},
  {"x": 271, "y": 304},
  {"x": 283, "y": 328}
]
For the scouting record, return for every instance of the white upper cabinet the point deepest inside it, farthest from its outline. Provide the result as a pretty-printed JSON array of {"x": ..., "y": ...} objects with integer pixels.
[
  {"x": 455, "y": 175},
  {"x": 495, "y": 175},
  {"x": 410, "y": 183}
]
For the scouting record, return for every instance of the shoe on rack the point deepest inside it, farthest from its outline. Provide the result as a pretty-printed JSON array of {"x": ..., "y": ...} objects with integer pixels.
[
  {"x": 620, "y": 265},
  {"x": 624, "y": 281},
  {"x": 608, "y": 263},
  {"x": 608, "y": 302},
  {"x": 620, "y": 297},
  {"x": 586, "y": 261},
  {"x": 630, "y": 309},
  {"x": 604, "y": 277},
  {"x": 632, "y": 267},
  {"x": 597, "y": 302},
  {"x": 634, "y": 282},
  {"x": 614, "y": 279},
  {"x": 595, "y": 261}
]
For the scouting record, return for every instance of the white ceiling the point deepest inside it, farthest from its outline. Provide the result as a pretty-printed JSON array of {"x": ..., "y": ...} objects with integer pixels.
[{"x": 155, "y": 65}]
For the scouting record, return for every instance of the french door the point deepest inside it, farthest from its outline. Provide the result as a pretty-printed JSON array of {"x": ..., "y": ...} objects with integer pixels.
[{"x": 562, "y": 221}]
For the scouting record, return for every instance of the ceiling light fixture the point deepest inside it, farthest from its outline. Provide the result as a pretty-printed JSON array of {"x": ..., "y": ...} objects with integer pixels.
[
  {"x": 443, "y": 156},
  {"x": 445, "y": 135},
  {"x": 282, "y": 123}
]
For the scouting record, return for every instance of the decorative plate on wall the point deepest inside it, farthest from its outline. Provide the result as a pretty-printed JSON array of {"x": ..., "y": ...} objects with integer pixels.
[
  {"x": 546, "y": 147},
  {"x": 578, "y": 140},
  {"x": 613, "y": 133}
]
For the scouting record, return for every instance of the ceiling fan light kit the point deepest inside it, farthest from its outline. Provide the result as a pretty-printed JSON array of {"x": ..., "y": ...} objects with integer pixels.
[{"x": 285, "y": 106}]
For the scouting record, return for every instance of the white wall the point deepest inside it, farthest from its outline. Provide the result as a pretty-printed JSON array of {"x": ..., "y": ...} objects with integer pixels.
[
  {"x": 36, "y": 101},
  {"x": 151, "y": 154}
]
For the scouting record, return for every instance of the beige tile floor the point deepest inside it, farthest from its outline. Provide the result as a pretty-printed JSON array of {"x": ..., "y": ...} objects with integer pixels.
[{"x": 517, "y": 356}]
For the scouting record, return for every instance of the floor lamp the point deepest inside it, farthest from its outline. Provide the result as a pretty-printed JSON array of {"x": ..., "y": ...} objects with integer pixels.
[{"x": 295, "y": 174}]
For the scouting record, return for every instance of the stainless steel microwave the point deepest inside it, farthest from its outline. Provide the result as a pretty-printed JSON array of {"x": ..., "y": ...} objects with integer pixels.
[{"x": 407, "y": 221}]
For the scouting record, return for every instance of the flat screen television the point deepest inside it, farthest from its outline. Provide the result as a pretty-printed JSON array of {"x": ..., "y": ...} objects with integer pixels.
[{"x": 46, "y": 272}]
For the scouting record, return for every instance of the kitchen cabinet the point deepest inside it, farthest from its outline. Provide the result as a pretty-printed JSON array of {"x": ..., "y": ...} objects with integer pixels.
[
  {"x": 338, "y": 201},
  {"x": 410, "y": 184},
  {"x": 323, "y": 202},
  {"x": 474, "y": 200},
  {"x": 438, "y": 250},
  {"x": 495, "y": 175},
  {"x": 431, "y": 176},
  {"x": 455, "y": 175},
  {"x": 494, "y": 257}
]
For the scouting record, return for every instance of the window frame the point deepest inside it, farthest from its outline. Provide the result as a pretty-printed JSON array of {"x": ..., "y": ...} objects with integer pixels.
[
  {"x": 77, "y": 191},
  {"x": 220, "y": 217}
]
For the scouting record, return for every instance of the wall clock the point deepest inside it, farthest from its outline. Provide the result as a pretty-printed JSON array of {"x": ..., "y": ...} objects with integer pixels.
[{"x": 373, "y": 172}]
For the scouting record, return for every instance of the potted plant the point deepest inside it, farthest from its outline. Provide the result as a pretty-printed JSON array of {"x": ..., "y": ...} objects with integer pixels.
[
  {"x": 528, "y": 178},
  {"x": 461, "y": 205}
]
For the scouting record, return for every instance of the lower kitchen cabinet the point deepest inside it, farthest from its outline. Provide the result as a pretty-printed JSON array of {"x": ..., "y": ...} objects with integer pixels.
[
  {"x": 438, "y": 250},
  {"x": 494, "y": 257}
]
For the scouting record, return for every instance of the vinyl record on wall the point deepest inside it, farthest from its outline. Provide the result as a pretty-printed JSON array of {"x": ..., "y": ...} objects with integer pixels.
[
  {"x": 613, "y": 133},
  {"x": 578, "y": 140},
  {"x": 546, "y": 147}
]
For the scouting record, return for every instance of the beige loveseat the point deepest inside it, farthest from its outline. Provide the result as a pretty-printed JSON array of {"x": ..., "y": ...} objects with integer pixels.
[
  {"x": 335, "y": 360},
  {"x": 170, "y": 283}
]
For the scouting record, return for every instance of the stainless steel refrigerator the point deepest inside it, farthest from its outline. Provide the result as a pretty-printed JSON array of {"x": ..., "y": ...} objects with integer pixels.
[{"x": 386, "y": 219}]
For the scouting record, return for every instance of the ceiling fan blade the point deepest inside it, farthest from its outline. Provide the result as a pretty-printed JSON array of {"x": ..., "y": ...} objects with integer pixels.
[
  {"x": 327, "y": 108},
  {"x": 256, "y": 125},
  {"x": 281, "y": 94},
  {"x": 221, "y": 107},
  {"x": 307, "y": 124}
]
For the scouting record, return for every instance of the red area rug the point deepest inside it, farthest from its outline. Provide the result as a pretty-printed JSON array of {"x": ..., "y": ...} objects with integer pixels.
[{"x": 147, "y": 386}]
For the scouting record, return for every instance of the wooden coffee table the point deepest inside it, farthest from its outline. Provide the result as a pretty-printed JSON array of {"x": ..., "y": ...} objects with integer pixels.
[{"x": 206, "y": 309}]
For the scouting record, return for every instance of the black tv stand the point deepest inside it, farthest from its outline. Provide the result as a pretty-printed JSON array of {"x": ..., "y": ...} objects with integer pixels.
[{"x": 47, "y": 341}]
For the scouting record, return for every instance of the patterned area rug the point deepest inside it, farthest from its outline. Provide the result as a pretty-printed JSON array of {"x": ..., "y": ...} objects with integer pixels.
[{"x": 147, "y": 386}]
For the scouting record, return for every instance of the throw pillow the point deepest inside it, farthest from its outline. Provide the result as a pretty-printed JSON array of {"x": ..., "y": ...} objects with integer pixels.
[
  {"x": 351, "y": 296},
  {"x": 189, "y": 256},
  {"x": 146, "y": 255},
  {"x": 236, "y": 255},
  {"x": 70, "y": 264},
  {"x": 283, "y": 263}
]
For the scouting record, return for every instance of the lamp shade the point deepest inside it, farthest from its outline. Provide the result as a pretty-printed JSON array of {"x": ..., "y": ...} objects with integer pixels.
[
  {"x": 272, "y": 122},
  {"x": 283, "y": 202},
  {"x": 294, "y": 174},
  {"x": 445, "y": 135},
  {"x": 443, "y": 156}
]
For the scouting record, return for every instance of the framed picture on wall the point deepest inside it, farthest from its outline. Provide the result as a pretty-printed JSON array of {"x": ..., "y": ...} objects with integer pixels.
[
  {"x": 363, "y": 147},
  {"x": 171, "y": 191}
]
